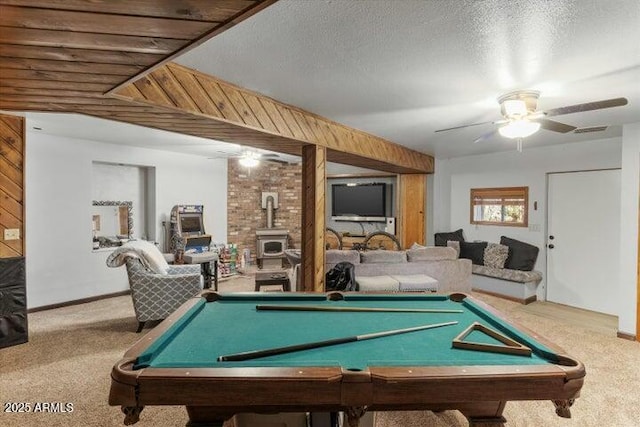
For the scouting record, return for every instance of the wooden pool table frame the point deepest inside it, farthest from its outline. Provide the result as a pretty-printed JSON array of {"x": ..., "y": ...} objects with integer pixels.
[{"x": 213, "y": 395}]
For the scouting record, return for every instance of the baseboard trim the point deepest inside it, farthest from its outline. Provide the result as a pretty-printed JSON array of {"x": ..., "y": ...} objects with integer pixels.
[
  {"x": 626, "y": 336},
  {"x": 78, "y": 301},
  {"x": 507, "y": 297}
]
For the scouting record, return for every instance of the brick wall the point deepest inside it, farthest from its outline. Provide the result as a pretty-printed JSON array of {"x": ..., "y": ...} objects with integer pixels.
[{"x": 244, "y": 200}]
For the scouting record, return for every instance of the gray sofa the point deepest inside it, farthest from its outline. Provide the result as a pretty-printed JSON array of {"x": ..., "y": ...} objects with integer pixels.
[{"x": 440, "y": 263}]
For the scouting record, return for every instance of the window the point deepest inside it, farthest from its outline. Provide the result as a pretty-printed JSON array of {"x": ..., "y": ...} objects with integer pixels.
[{"x": 500, "y": 206}]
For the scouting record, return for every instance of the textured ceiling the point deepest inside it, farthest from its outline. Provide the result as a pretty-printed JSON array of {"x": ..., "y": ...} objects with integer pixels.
[{"x": 402, "y": 69}]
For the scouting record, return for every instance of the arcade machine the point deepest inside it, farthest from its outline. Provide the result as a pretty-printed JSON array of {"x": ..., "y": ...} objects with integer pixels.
[{"x": 190, "y": 243}]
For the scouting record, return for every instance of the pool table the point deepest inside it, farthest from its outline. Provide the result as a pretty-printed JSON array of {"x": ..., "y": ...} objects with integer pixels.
[{"x": 177, "y": 363}]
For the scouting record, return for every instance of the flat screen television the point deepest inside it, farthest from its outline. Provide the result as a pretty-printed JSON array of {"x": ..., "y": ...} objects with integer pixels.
[{"x": 359, "y": 202}]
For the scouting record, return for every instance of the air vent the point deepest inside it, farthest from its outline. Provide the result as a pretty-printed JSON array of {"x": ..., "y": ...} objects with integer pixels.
[{"x": 591, "y": 129}]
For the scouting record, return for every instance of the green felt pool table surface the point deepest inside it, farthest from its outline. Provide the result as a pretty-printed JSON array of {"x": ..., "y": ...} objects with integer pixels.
[
  {"x": 232, "y": 324},
  {"x": 177, "y": 362}
]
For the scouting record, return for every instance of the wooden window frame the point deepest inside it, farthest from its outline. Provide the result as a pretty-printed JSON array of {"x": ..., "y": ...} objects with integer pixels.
[{"x": 499, "y": 193}]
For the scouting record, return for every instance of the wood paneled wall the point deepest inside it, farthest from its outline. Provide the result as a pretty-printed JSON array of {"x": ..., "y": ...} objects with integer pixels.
[{"x": 11, "y": 184}]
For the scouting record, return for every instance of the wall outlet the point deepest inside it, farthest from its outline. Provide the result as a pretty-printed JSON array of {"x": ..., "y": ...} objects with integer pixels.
[
  {"x": 534, "y": 227},
  {"x": 12, "y": 234}
]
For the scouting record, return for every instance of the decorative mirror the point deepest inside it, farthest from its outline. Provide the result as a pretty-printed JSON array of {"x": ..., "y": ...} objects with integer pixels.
[{"x": 112, "y": 223}]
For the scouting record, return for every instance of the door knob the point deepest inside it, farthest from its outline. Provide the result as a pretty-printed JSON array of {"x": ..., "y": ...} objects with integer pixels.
[{"x": 550, "y": 246}]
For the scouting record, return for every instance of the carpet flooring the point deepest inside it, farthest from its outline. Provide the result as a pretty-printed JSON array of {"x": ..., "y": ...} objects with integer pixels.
[{"x": 71, "y": 351}]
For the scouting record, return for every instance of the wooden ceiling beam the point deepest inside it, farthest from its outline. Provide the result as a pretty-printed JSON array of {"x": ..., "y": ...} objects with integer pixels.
[
  {"x": 173, "y": 86},
  {"x": 265, "y": 142}
]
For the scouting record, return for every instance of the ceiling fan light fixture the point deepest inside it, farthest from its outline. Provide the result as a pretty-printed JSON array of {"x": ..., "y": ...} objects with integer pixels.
[
  {"x": 515, "y": 108},
  {"x": 249, "y": 159},
  {"x": 519, "y": 129}
]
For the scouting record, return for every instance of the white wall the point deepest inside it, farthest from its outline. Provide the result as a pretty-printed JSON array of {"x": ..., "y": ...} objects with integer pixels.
[
  {"x": 429, "y": 211},
  {"x": 61, "y": 265},
  {"x": 629, "y": 228},
  {"x": 440, "y": 200},
  {"x": 455, "y": 177}
]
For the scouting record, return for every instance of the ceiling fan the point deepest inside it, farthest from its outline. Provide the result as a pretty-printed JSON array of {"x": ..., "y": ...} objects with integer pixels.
[
  {"x": 251, "y": 158},
  {"x": 520, "y": 118}
]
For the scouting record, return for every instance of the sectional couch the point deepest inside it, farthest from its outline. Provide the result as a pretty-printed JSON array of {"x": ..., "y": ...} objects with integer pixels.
[
  {"x": 380, "y": 268},
  {"x": 504, "y": 269}
]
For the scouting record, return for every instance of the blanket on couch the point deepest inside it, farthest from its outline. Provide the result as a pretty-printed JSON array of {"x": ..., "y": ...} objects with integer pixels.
[{"x": 148, "y": 254}]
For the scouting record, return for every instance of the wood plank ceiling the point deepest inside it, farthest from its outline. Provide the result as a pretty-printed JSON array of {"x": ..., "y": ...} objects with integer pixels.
[{"x": 70, "y": 55}]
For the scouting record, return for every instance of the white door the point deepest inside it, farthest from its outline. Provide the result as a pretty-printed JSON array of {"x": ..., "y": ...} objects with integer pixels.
[{"x": 583, "y": 239}]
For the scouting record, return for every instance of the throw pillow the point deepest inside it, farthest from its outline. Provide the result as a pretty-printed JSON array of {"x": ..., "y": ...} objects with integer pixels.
[
  {"x": 473, "y": 251},
  {"x": 442, "y": 238},
  {"x": 495, "y": 255},
  {"x": 455, "y": 245},
  {"x": 522, "y": 256}
]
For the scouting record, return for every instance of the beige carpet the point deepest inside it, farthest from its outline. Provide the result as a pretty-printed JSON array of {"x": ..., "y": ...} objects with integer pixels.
[{"x": 71, "y": 351}]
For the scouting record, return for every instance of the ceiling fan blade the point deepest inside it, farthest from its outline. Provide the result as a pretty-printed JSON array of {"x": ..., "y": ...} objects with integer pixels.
[
  {"x": 472, "y": 124},
  {"x": 485, "y": 136},
  {"x": 274, "y": 160},
  {"x": 588, "y": 106},
  {"x": 555, "y": 126}
]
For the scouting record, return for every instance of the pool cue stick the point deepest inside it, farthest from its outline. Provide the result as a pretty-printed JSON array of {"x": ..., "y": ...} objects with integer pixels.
[
  {"x": 263, "y": 307},
  {"x": 254, "y": 354}
]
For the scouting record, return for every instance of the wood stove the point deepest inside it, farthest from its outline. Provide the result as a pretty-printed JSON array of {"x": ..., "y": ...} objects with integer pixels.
[{"x": 270, "y": 247}]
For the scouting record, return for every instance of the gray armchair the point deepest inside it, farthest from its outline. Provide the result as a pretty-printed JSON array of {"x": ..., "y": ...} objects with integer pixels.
[
  {"x": 155, "y": 296},
  {"x": 157, "y": 288}
]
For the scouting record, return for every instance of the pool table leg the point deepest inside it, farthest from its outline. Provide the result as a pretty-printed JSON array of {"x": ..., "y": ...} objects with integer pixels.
[
  {"x": 487, "y": 421},
  {"x": 205, "y": 424},
  {"x": 354, "y": 413},
  {"x": 563, "y": 407},
  {"x": 203, "y": 416},
  {"x": 484, "y": 414},
  {"x": 131, "y": 414}
]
